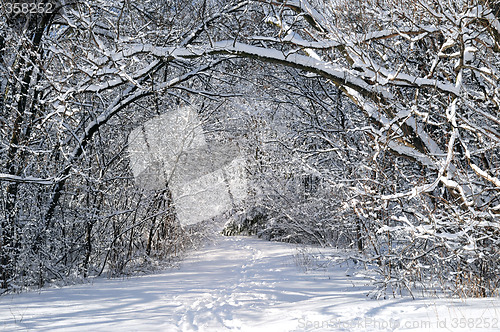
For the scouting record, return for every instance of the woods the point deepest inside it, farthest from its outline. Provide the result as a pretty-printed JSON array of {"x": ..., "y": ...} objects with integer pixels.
[{"x": 368, "y": 125}]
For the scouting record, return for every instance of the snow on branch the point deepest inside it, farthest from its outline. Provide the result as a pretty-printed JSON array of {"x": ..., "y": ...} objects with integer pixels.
[{"x": 29, "y": 179}]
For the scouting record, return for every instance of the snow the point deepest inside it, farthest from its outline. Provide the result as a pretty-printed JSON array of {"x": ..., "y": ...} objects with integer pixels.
[
  {"x": 240, "y": 284},
  {"x": 28, "y": 179}
]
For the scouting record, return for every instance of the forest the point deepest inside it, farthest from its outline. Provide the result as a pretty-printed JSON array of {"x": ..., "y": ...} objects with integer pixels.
[{"x": 367, "y": 125}]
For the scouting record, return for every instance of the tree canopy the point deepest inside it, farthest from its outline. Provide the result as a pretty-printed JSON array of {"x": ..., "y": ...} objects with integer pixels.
[{"x": 370, "y": 124}]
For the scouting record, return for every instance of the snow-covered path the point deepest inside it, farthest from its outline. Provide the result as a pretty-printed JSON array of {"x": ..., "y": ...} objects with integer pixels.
[{"x": 236, "y": 284}]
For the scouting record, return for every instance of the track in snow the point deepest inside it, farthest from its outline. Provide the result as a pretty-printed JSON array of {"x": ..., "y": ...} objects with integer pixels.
[{"x": 236, "y": 283}]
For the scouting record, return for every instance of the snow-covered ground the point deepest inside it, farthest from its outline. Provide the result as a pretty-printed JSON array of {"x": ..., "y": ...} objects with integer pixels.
[{"x": 239, "y": 283}]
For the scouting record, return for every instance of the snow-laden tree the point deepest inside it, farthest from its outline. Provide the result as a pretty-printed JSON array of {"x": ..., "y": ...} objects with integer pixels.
[
  {"x": 420, "y": 148},
  {"x": 428, "y": 84},
  {"x": 70, "y": 96},
  {"x": 425, "y": 74}
]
